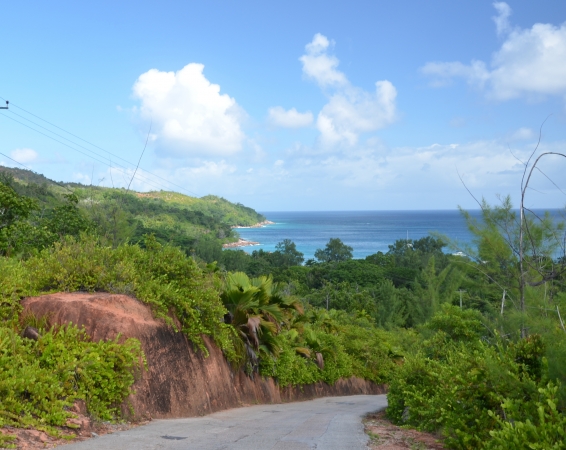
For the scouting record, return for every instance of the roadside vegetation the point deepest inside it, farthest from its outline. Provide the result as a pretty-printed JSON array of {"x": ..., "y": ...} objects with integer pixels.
[{"x": 472, "y": 346}]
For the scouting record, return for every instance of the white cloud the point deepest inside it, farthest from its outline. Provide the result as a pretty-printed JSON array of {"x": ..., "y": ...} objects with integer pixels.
[
  {"x": 24, "y": 155},
  {"x": 530, "y": 63},
  {"x": 190, "y": 116},
  {"x": 354, "y": 111},
  {"x": 522, "y": 133},
  {"x": 502, "y": 18},
  {"x": 350, "y": 110},
  {"x": 289, "y": 119},
  {"x": 427, "y": 173},
  {"x": 321, "y": 66},
  {"x": 83, "y": 178}
]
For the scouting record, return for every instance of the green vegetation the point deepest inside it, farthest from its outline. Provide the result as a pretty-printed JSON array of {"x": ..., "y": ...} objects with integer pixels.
[
  {"x": 472, "y": 347},
  {"x": 197, "y": 225},
  {"x": 490, "y": 373},
  {"x": 54, "y": 239}
]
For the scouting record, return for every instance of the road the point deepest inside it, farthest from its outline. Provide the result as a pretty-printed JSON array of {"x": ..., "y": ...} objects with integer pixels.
[{"x": 330, "y": 423}]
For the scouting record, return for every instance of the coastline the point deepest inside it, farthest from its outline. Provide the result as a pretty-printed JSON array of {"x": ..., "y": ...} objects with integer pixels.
[
  {"x": 256, "y": 225},
  {"x": 243, "y": 242},
  {"x": 240, "y": 243}
]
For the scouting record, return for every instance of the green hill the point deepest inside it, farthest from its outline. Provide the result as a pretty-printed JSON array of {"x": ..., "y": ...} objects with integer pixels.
[{"x": 198, "y": 225}]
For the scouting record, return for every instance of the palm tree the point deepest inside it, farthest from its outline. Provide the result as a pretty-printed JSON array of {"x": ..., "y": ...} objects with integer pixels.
[{"x": 257, "y": 310}]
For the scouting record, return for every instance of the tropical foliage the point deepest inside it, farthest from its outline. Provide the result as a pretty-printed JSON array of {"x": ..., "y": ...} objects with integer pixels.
[
  {"x": 197, "y": 225},
  {"x": 472, "y": 345}
]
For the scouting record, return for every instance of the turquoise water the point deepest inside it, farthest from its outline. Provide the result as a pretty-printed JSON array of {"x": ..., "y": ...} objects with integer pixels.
[{"x": 366, "y": 231}]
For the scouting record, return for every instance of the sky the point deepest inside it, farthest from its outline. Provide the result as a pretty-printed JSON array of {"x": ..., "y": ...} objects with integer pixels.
[{"x": 291, "y": 106}]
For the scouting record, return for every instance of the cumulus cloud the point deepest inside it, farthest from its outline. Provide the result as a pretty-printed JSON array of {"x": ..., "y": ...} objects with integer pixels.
[
  {"x": 350, "y": 110},
  {"x": 487, "y": 167},
  {"x": 319, "y": 65},
  {"x": 502, "y": 18},
  {"x": 354, "y": 111},
  {"x": 289, "y": 118},
  {"x": 531, "y": 62},
  {"x": 189, "y": 114},
  {"x": 24, "y": 155}
]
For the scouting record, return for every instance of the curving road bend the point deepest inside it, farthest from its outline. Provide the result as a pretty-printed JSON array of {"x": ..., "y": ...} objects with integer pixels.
[{"x": 329, "y": 423}]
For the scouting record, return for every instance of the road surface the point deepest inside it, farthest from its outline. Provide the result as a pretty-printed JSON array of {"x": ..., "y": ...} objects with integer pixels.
[{"x": 329, "y": 423}]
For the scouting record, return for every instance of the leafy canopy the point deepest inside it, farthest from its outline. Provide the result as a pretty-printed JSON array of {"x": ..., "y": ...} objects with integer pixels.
[{"x": 335, "y": 250}]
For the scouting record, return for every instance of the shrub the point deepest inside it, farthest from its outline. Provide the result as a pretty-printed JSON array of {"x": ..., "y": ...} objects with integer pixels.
[
  {"x": 545, "y": 430},
  {"x": 40, "y": 379}
]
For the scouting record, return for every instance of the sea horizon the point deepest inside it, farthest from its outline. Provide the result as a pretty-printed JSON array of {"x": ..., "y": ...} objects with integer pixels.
[{"x": 366, "y": 231}]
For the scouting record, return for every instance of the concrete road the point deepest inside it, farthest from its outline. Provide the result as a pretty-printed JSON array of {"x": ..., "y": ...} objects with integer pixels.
[{"x": 330, "y": 423}]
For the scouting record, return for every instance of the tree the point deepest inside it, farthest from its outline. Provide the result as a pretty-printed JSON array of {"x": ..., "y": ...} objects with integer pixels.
[
  {"x": 14, "y": 212},
  {"x": 235, "y": 260},
  {"x": 287, "y": 255},
  {"x": 256, "y": 310},
  {"x": 335, "y": 250},
  {"x": 13, "y": 207},
  {"x": 68, "y": 219},
  {"x": 415, "y": 254}
]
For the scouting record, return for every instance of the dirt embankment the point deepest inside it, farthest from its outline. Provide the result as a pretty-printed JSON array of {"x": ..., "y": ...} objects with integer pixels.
[{"x": 180, "y": 381}]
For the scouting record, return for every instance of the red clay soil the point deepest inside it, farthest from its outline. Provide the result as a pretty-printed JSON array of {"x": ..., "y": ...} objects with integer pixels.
[
  {"x": 180, "y": 381},
  {"x": 386, "y": 436}
]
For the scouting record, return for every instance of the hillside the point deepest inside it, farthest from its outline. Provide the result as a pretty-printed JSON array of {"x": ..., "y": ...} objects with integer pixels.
[{"x": 198, "y": 225}]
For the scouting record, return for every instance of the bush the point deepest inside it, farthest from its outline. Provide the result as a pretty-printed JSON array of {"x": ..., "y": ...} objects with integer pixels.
[
  {"x": 544, "y": 431},
  {"x": 161, "y": 276},
  {"x": 40, "y": 379},
  {"x": 463, "y": 387}
]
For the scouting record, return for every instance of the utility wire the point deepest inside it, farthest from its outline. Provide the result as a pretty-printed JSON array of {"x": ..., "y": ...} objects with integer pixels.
[
  {"x": 23, "y": 165},
  {"x": 151, "y": 182},
  {"x": 141, "y": 156},
  {"x": 50, "y": 137},
  {"x": 90, "y": 143},
  {"x": 155, "y": 183}
]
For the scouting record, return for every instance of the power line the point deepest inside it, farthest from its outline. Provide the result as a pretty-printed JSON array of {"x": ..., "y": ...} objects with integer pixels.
[
  {"x": 23, "y": 165},
  {"x": 68, "y": 132},
  {"x": 154, "y": 183},
  {"x": 90, "y": 143},
  {"x": 56, "y": 140},
  {"x": 123, "y": 170},
  {"x": 56, "y": 134}
]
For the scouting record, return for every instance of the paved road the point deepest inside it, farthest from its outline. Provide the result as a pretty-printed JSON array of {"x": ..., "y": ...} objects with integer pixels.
[{"x": 330, "y": 423}]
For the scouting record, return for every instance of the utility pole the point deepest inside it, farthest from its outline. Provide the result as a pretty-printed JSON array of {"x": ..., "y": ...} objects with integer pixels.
[
  {"x": 5, "y": 107},
  {"x": 460, "y": 291},
  {"x": 503, "y": 300}
]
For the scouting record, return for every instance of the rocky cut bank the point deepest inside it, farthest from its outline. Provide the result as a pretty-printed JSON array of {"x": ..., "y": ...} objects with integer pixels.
[{"x": 180, "y": 381}]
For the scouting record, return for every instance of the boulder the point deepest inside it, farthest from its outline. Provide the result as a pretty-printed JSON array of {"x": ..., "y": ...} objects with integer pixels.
[{"x": 180, "y": 380}]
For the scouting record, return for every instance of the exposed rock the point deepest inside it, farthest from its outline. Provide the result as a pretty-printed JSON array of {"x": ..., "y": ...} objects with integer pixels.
[
  {"x": 180, "y": 381},
  {"x": 240, "y": 243},
  {"x": 31, "y": 333}
]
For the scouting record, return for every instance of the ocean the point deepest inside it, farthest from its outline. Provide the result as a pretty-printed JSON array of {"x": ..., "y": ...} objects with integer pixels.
[{"x": 367, "y": 232}]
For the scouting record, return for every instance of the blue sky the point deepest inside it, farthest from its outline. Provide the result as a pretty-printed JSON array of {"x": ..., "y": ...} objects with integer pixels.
[{"x": 317, "y": 105}]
